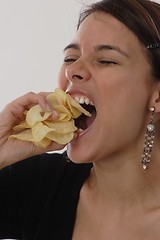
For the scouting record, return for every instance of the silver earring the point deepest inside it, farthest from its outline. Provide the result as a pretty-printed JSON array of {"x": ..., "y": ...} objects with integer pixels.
[{"x": 149, "y": 140}]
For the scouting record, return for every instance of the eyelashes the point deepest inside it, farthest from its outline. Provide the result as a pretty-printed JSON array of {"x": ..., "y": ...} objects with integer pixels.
[
  {"x": 105, "y": 62},
  {"x": 102, "y": 62},
  {"x": 68, "y": 60}
]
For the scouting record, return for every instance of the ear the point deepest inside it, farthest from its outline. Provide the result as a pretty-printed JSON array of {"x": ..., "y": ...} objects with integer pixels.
[{"x": 155, "y": 98}]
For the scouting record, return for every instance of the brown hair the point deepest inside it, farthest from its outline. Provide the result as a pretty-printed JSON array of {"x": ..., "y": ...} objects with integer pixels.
[{"x": 142, "y": 17}]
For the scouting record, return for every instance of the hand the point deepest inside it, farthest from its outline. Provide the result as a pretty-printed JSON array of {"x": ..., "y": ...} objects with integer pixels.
[{"x": 13, "y": 150}]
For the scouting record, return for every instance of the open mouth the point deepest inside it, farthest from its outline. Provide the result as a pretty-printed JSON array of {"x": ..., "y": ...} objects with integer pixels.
[{"x": 83, "y": 122}]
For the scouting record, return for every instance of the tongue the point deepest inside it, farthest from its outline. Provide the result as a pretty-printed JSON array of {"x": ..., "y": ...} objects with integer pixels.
[{"x": 91, "y": 119}]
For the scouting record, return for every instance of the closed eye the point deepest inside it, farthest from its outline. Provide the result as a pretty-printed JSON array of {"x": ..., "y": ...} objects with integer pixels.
[
  {"x": 104, "y": 62},
  {"x": 69, "y": 60}
]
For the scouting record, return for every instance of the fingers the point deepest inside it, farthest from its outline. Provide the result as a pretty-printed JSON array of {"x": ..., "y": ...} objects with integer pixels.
[
  {"x": 25, "y": 102},
  {"x": 28, "y": 100},
  {"x": 43, "y": 102}
]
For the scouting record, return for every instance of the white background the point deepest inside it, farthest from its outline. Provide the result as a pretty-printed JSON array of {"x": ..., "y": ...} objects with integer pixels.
[{"x": 33, "y": 34}]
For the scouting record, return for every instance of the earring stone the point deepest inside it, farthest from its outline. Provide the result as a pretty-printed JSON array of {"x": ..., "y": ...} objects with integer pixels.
[{"x": 149, "y": 141}]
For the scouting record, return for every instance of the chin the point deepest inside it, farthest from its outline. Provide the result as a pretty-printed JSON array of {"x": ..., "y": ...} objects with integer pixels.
[{"x": 78, "y": 155}]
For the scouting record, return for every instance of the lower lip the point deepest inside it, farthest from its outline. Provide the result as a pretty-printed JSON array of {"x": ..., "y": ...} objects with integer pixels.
[{"x": 84, "y": 131}]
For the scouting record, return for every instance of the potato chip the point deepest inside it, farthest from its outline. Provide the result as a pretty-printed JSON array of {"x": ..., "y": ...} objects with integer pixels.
[
  {"x": 40, "y": 129},
  {"x": 75, "y": 108},
  {"x": 59, "y": 98},
  {"x": 26, "y": 135},
  {"x": 62, "y": 127},
  {"x": 60, "y": 138},
  {"x": 21, "y": 126},
  {"x": 35, "y": 115}
]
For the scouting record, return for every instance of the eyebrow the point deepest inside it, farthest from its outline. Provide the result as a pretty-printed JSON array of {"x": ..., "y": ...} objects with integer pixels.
[
  {"x": 73, "y": 46},
  {"x": 110, "y": 47},
  {"x": 98, "y": 48}
]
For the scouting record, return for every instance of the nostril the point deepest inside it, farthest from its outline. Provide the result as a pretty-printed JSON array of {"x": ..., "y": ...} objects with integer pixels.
[{"x": 75, "y": 76}]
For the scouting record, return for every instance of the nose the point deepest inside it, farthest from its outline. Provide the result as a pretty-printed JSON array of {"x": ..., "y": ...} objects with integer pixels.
[{"x": 77, "y": 71}]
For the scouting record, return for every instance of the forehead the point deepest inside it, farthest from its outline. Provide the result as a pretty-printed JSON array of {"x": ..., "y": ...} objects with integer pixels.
[{"x": 102, "y": 28}]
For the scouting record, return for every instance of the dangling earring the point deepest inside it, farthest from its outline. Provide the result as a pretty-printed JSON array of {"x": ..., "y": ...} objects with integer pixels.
[{"x": 149, "y": 140}]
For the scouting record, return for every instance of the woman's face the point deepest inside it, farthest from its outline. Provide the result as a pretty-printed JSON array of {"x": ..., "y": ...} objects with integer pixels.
[{"x": 106, "y": 63}]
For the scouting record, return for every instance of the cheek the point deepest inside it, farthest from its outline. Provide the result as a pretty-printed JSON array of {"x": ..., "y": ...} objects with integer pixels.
[
  {"x": 62, "y": 80},
  {"x": 124, "y": 90},
  {"x": 123, "y": 101}
]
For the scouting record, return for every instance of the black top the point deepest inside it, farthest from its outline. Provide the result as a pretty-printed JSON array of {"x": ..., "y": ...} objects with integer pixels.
[{"x": 39, "y": 197}]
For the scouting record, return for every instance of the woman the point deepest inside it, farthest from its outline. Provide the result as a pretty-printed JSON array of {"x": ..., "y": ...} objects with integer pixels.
[{"x": 109, "y": 189}]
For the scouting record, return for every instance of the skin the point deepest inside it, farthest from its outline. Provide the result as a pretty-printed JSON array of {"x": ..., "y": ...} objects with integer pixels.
[{"x": 119, "y": 195}]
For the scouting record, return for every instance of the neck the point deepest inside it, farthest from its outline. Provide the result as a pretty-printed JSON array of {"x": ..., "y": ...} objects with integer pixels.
[{"x": 122, "y": 180}]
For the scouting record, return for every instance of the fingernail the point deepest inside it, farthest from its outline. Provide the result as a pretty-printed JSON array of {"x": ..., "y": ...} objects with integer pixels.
[
  {"x": 55, "y": 115},
  {"x": 47, "y": 107}
]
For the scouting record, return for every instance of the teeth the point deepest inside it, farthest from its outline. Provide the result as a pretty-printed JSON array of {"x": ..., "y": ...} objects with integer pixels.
[
  {"x": 87, "y": 101},
  {"x": 83, "y": 99},
  {"x": 80, "y": 130},
  {"x": 76, "y": 99}
]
